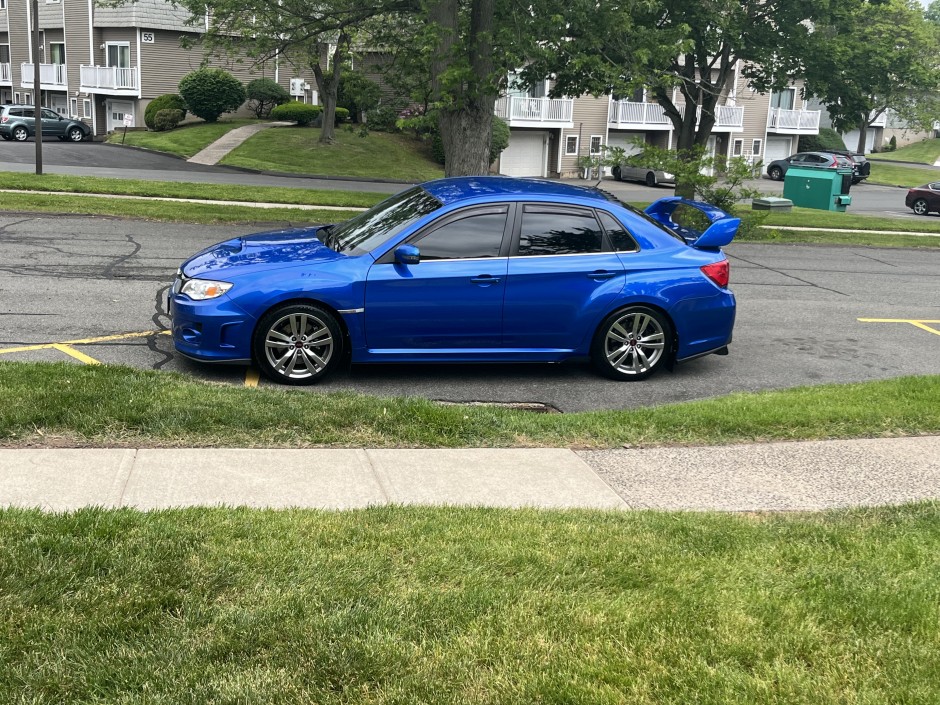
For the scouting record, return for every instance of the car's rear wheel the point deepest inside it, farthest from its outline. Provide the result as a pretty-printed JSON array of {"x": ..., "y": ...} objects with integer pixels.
[
  {"x": 919, "y": 206},
  {"x": 616, "y": 173},
  {"x": 20, "y": 134},
  {"x": 76, "y": 134},
  {"x": 298, "y": 344},
  {"x": 650, "y": 178},
  {"x": 632, "y": 343},
  {"x": 775, "y": 173},
  {"x": 6, "y": 137}
]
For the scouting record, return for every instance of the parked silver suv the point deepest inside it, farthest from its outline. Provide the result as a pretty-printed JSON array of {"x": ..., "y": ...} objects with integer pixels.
[{"x": 18, "y": 122}]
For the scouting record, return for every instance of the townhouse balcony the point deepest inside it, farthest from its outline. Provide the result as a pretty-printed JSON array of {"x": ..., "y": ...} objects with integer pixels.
[
  {"x": 52, "y": 77},
  {"x": 110, "y": 80},
  {"x": 536, "y": 112},
  {"x": 629, "y": 115},
  {"x": 6, "y": 75},
  {"x": 881, "y": 120},
  {"x": 728, "y": 118},
  {"x": 793, "y": 122}
]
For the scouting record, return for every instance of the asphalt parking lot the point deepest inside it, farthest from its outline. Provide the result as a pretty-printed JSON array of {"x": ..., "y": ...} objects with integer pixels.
[{"x": 92, "y": 290}]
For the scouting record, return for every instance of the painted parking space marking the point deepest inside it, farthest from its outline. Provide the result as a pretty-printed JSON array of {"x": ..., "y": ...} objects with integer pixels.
[
  {"x": 82, "y": 357},
  {"x": 917, "y": 322},
  {"x": 251, "y": 377},
  {"x": 65, "y": 346}
]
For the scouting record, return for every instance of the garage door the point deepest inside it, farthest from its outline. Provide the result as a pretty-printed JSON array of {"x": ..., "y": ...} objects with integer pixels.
[
  {"x": 777, "y": 148},
  {"x": 624, "y": 140},
  {"x": 525, "y": 155}
]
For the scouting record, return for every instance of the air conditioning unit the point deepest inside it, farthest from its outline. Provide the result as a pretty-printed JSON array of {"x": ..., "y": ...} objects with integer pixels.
[{"x": 297, "y": 86}]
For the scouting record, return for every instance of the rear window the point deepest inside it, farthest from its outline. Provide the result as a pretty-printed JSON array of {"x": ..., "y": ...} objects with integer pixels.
[{"x": 637, "y": 212}]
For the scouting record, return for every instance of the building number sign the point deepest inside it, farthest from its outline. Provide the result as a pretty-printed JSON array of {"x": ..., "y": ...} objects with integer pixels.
[{"x": 146, "y": 37}]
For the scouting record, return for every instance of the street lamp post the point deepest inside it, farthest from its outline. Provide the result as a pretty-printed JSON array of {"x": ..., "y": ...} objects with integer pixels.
[{"x": 37, "y": 91}]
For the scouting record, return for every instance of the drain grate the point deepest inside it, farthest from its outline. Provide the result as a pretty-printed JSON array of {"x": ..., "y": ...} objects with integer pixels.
[{"x": 536, "y": 407}]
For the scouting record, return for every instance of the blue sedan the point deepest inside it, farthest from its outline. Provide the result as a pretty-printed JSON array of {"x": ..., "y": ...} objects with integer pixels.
[{"x": 472, "y": 269}]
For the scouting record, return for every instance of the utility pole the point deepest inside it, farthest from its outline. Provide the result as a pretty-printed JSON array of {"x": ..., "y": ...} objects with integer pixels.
[{"x": 37, "y": 92}]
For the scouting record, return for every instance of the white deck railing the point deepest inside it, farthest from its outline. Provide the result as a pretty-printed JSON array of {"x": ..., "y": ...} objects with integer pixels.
[
  {"x": 535, "y": 110},
  {"x": 794, "y": 120},
  {"x": 49, "y": 75},
  {"x": 626, "y": 113},
  {"x": 109, "y": 78}
]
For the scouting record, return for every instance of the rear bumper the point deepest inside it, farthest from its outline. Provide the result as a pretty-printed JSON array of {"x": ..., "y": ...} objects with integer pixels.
[{"x": 704, "y": 325}]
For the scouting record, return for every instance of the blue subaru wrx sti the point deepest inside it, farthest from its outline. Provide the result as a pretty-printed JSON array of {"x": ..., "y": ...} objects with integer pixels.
[{"x": 473, "y": 269}]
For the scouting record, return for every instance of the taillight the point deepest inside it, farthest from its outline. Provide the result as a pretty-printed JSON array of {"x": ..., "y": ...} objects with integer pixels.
[
  {"x": 4, "y": 118},
  {"x": 718, "y": 272}
]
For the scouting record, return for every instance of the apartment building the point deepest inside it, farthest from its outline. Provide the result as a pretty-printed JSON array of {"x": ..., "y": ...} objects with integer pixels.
[
  {"x": 548, "y": 135},
  {"x": 100, "y": 64}
]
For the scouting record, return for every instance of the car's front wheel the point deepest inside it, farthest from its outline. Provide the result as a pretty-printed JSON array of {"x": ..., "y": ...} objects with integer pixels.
[
  {"x": 632, "y": 343},
  {"x": 297, "y": 344},
  {"x": 616, "y": 173},
  {"x": 76, "y": 134},
  {"x": 20, "y": 134},
  {"x": 919, "y": 206},
  {"x": 775, "y": 173}
]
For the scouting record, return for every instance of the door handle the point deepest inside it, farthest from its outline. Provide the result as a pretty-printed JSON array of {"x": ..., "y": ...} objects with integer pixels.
[
  {"x": 601, "y": 275},
  {"x": 485, "y": 279}
]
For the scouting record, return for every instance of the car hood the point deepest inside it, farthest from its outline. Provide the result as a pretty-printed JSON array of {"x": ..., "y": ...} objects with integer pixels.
[{"x": 278, "y": 248}]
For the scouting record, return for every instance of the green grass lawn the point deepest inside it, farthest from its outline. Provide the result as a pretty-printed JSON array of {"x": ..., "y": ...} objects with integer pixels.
[
  {"x": 898, "y": 175},
  {"x": 296, "y": 150},
  {"x": 108, "y": 405},
  {"x": 923, "y": 152},
  {"x": 185, "y": 140},
  {"x": 399, "y": 605}
]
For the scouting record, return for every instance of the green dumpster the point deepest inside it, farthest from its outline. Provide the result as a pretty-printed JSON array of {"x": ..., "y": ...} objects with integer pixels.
[{"x": 824, "y": 189}]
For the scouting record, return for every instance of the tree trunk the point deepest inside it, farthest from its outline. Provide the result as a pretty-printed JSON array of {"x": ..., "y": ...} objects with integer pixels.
[
  {"x": 328, "y": 87},
  {"x": 466, "y": 136},
  {"x": 862, "y": 135}
]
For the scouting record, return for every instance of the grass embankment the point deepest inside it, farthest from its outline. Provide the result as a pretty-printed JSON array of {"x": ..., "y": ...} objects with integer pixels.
[
  {"x": 923, "y": 152},
  {"x": 424, "y": 605},
  {"x": 184, "y": 141},
  {"x": 121, "y": 406},
  {"x": 898, "y": 175},
  {"x": 296, "y": 150}
]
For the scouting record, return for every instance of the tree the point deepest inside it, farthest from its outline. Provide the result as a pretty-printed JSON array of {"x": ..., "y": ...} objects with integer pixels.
[
  {"x": 265, "y": 94},
  {"x": 932, "y": 14},
  {"x": 358, "y": 94},
  {"x": 317, "y": 35},
  {"x": 210, "y": 92},
  {"x": 667, "y": 47},
  {"x": 873, "y": 57}
]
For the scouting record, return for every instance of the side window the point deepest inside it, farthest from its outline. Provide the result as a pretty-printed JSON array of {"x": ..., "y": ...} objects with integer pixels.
[
  {"x": 16, "y": 112},
  {"x": 547, "y": 231},
  {"x": 618, "y": 235},
  {"x": 477, "y": 235},
  {"x": 49, "y": 115},
  {"x": 28, "y": 113}
]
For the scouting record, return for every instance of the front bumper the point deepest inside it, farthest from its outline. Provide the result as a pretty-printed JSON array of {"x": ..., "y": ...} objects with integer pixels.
[{"x": 210, "y": 331}]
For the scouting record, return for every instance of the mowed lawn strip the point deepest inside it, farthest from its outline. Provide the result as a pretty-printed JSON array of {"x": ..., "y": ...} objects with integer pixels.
[
  {"x": 923, "y": 152},
  {"x": 451, "y": 605},
  {"x": 167, "y": 189},
  {"x": 184, "y": 141},
  {"x": 901, "y": 175},
  {"x": 297, "y": 150},
  {"x": 108, "y": 405}
]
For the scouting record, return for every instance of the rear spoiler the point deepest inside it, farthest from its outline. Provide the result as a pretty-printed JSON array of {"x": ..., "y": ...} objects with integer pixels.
[{"x": 720, "y": 232}]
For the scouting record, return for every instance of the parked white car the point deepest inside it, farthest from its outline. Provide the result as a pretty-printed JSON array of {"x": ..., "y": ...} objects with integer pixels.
[{"x": 651, "y": 177}]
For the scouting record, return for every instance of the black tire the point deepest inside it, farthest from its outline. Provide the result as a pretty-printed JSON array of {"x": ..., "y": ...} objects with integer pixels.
[
  {"x": 61, "y": 138},
  {"x": 20, "y": 134},
  {"x": 616, "y": 173},
  {"x": 632, "y": 343},
  {"x": 310, "y": 337},
  {"x": 920, "y": 207},
  {"x": 775, "y": 173},
  {"x": 75, "y": 134},
  {"x": 650, "y": 179},
  {"x": 6, "y": 137}
]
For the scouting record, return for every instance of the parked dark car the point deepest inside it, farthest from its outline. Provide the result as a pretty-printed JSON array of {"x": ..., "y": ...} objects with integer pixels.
[
  {"x": 776, "y": 170},
  {"x": 18, "y": 122},
  {"x": 862, "y": 168},
  {"x": 924, "y": 199}
]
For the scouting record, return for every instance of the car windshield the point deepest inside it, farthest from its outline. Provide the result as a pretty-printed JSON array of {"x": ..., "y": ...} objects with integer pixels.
[
  {"x": 636, "y": 211},
  {"x": 368, "y": 230}
]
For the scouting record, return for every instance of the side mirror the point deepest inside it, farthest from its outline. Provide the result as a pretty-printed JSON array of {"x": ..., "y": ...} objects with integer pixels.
[{"x": 407, "y": 254}]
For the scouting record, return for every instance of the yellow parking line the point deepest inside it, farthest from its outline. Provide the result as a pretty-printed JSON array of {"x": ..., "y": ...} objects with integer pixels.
[
  {"x": 76, "y": 354},
  {"x": 251, "y": 377},
  {"x": 917, "y": 322},
  {"x": 84, "y": 341}
]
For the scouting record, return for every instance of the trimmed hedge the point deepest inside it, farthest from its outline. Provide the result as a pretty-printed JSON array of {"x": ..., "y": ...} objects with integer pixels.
[
  {"x": 167, "y": 119},
  {"x": 295, "y": 111},
  {"x": 210, "y": 92},
  {"x": 168, "y": 101},
  {"x": 266, "y": 94}
]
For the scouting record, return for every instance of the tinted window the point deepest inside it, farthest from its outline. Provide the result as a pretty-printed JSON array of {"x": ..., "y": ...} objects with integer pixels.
[
  {"x": 558, "y": 233},
  {"x": 474, "y": 236},
  {"x": 370, "y": 229},
  {"x": 27, "y": 112},
  {"x": 16, "y": 112},
  {"x": 49, "y": 115},
  {"x": 618, "y": 235}
]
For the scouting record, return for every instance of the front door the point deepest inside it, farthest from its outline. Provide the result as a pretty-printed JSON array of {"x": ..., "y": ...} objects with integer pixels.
[
  {"x": 117, "y": 109},
  {"x": 452, "y": 300},
  {"x": 52, "y": 123}
]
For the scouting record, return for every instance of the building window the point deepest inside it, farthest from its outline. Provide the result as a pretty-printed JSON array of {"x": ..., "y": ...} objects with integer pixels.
[
  {"x": 119, "y": 55},
  {"x": 738, "y": 149},
  {"x": 57, "y": 53},
  {"x": 73, "y": 107},
  {"x": 28, "y": 98},
  {"x": 16, "y": 98},
  {"x": 86, "y": 108},
  {"x": 571, "y": 144},
  {"x": 755, "y": 148},
  {"x": 3, "y": 4},
  {"x": 596, "y": 144},
  {"x": 784, "y": 99}
]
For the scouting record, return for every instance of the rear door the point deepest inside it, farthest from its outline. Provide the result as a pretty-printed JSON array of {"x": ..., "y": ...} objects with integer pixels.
[{"x": 563, "y": 274}]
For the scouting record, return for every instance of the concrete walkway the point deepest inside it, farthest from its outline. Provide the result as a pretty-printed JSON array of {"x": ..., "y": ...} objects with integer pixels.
[
  {"x": 773, "y": 476},
  {"x": 214, "y": 153}
]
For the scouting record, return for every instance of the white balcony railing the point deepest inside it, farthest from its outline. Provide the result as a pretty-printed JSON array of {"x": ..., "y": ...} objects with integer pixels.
[
  {"x": 6, "y": 75},
  {"x": 794, "y": 120},
  {"x": 49, "y": 75},
  {"x": 626, "y": 113},
  {"x": 881, "y": 120},
  {"x": 729, "y": 116},
  {"x": 535, "y": 110},
  {"x": 110, "y": 78}
]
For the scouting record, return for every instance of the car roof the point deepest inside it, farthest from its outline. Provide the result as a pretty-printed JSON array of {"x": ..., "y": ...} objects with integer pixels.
[{"x": 464, "y": 188}]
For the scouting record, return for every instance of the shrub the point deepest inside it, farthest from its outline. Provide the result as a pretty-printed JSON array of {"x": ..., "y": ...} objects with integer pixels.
[
  {"x": 357, "y": 94},
  {"x": 826, "y": 139},
  {"x": 210, "y": 92},
  {"x": 167, "y": 119},
  {"x": 264, "y": 94},
  {"x": 892, "y": 143},
  {"x": 295, "y": 111},
  {"x": 383, "y": 119},
  {"x": 342, "y": 114},
  {"x": 169, "y": 101},
  {"x": 499, "y": 138}
]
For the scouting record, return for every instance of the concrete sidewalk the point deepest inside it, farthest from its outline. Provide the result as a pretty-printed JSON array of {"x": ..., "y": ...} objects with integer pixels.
[
  {"x": 774, "y": 476},
  {"x": 214, "y": 153}
]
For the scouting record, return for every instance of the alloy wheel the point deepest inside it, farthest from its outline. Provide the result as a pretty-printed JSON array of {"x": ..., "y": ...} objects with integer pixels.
[
  {"x": 20, "y": 134},
  {"x": 76, "y": 135},
  {"x": 634, "y": 343},
  {"x": 299, "y": 346},
  {"x": 920, "y": 206}
]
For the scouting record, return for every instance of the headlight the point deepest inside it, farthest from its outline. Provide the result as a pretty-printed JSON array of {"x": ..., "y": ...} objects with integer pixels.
[{"x": 202, "y": 289}]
